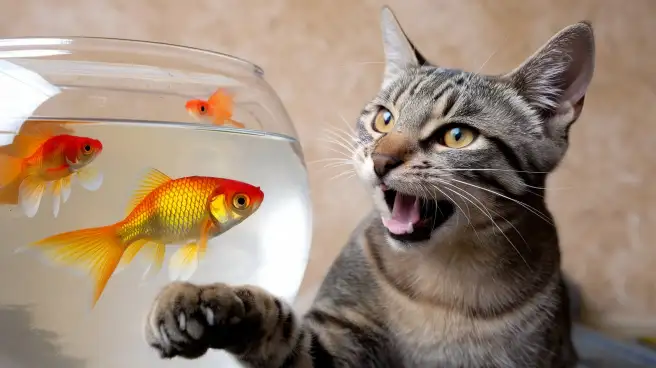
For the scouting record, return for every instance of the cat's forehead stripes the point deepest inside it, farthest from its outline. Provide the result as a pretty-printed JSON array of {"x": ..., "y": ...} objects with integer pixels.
[{"x": 428, "y": 95}]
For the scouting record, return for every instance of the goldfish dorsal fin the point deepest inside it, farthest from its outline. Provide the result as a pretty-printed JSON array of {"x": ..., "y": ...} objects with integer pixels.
[
  {"x": 221, "y": 99},
  {"x": 24, "y": 145},
  {"x": 151, "y": 181}
]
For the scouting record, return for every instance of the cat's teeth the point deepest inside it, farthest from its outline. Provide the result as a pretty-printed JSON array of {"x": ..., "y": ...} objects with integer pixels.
[{"x": 411, "y": 228}]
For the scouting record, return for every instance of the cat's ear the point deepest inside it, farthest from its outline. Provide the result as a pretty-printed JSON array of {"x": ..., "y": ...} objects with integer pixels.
[
  {"x": 556, "y": 78},
  {"x": 400, "y": 53}
]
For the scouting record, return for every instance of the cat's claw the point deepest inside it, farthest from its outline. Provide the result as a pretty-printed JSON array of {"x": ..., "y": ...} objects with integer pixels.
[{"x": 186, "y": 320}]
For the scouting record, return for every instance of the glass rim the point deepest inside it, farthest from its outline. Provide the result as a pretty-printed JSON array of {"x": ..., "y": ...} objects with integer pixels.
[{"x": 131, "y": 41}]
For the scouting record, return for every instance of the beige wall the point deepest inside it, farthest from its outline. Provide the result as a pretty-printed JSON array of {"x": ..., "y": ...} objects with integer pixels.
[{"x": 314, "y": 55}]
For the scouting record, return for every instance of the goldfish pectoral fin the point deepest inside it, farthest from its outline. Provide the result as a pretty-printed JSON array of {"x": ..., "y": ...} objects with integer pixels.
[
  {"x": 208, "y": 228},
  {"x": 65, "y": 188},
  {"x": 90, "y": 178},
  {"x": 56, "y": 202},
  {"x": 30, "y": 193},
  {"x": 236, "y": 123},
  {"x": 96, "y": 250},
  {"x": 129, "y": 254},
  {"x": 151, "y": 181},
  {"x": 193, "y": 115},
  {"x": 156, "y": 258},
  {"x": 184, "y": 262},
  {"x": 56, "y": 196}
]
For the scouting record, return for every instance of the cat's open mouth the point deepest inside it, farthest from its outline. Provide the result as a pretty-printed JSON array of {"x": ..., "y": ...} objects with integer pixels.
[{"x": 414, "y": 218}]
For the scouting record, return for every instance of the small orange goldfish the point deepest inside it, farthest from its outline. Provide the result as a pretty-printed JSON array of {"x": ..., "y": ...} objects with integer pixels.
[
  {"x": 163, "y": 211},
  {"x": 44, "y": 160},
  {"x": 218, "y": 107}
]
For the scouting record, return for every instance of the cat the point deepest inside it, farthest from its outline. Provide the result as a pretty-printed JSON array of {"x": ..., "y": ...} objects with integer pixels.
[{"x": 458, "y": 265}]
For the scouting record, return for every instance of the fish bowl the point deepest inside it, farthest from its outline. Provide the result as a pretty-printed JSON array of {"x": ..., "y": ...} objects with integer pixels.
[{"x": 127, "y": 164}]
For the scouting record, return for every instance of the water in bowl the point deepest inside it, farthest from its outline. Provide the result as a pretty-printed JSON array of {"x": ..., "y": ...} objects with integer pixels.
[{"x": 45, "y": 310}]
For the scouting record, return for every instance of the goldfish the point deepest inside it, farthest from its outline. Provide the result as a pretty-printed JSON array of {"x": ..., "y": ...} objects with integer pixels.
[
  {"x": 218, "y": 108},
  {"x": 41, "y": 160},
  {"x": 163, "y": 211}
]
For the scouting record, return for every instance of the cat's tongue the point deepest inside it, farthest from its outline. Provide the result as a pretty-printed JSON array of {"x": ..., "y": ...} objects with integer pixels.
[{"x": 405, "y": 214}]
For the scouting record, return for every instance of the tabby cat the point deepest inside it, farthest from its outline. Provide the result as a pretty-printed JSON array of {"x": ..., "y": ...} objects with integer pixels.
[{"x": 459, "y": 263}]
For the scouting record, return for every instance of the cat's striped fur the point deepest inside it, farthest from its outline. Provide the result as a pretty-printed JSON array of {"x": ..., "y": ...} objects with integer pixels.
[{"x": 484, "y": 289}]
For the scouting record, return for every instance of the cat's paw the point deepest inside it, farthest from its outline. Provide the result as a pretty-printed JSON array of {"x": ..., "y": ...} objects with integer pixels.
[{"x": 186, "y": 319}]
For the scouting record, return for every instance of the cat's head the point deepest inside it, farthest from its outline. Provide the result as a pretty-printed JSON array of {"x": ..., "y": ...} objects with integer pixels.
[{"x": 435, "y": 140}]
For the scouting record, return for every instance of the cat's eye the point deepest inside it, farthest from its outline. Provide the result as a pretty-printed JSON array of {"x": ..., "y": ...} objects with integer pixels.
[
  {"x": 458, "y": 137},
  {"x": 384, "y": 121}
]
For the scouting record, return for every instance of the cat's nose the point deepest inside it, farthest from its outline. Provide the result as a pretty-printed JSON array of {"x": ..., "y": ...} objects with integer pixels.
[{"x": 383, "y": 163}]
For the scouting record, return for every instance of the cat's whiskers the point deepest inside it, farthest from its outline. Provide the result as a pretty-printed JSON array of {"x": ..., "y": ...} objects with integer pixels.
[
  {"x": 343, "y": 147},
  {"x": 488, "y": 169},
  {"x": 485, "y": 211},
  {"x": 340, "y": 142},
  {"x": 467, "y": 215},
  {"x": 516, "y": 171},
  {"x": 427, "y": 192},
  {"x": 526, "y": 206},
  {"x": 457, "y": 205},
  {"x": 332, "y": 161},
  {"x": 343, "y": 175},
  {"x": 348, "y": 126},
  {"x": 342, "y": 135}
]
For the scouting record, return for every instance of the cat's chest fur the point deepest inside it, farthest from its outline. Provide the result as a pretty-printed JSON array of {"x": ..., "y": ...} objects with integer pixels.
[{"x": 430, "y": 336}]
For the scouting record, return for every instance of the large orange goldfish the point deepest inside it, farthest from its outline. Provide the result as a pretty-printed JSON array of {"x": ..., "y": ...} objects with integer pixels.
[
  {"x": 42, "y": 160},
  {"x": 188, "y": 210},
  {"x": 219, "y": 108}
]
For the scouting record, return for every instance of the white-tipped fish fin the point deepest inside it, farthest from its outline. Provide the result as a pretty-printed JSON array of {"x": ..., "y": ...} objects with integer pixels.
[
  {"x": 156, "y": 252},
  {"x": 90, "y": 178},
  {"x": 130, "y": 252},
  {"x": 66, "y": 188},
  {"x": 30, "y": 193},
  {"x": 151, "y": 181},
  {"x": 55, "y": 188},
  {"x": 184, "y": 262}
]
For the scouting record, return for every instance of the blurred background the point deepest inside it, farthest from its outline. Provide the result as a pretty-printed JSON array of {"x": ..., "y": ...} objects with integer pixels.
[{"x": 324, "y": 60}]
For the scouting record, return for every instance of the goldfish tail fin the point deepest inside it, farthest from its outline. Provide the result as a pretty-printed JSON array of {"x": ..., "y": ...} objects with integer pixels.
[
  {"x": 151, "y": 181},
  {"x": 184, "y": 262},
  {"x": 90, "y": 178},
  {"x": 10, "y": 168},
  {"x": 97, "y": 251},
  {"x": 30, "y": 193},
  {"x": 9, "y": 192}
]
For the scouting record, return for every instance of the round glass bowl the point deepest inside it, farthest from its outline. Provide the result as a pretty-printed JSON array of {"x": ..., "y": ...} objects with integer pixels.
[{"x": 130, "y": 96}]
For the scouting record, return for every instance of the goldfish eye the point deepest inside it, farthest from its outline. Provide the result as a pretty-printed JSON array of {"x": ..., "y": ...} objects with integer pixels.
[
  {"x": 240, "y": 201},
  {"x": 86, "y": 149},
  {"x": 202, "y": 108}
]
